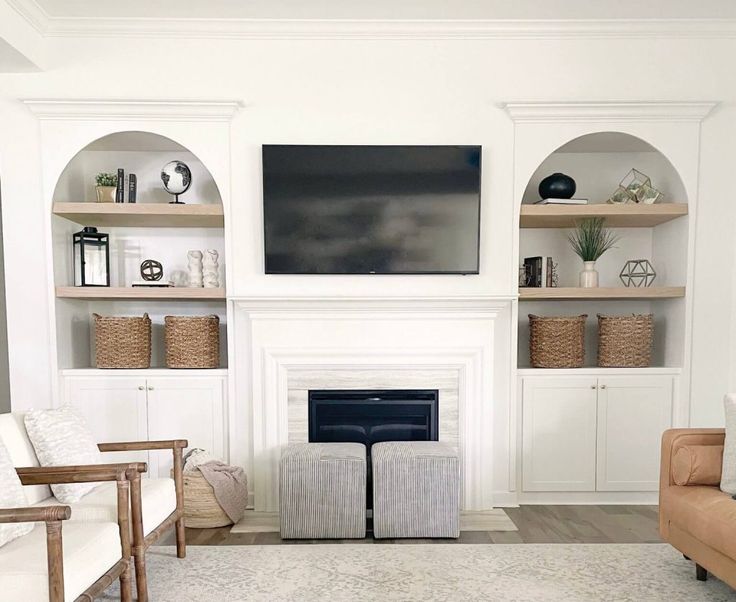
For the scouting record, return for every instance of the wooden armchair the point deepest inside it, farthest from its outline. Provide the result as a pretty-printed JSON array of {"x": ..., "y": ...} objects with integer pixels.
[
  {"x": 123, "y": 474},
  {"x": 141, "y": 540}
]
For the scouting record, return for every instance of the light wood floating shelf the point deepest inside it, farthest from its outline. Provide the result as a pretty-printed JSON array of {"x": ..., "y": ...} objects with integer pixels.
[
  {"x": 142, "y": 214},
  {"x": 616, "y": 216},
  {"x": 570, "y": 293},
  {"x": 140, "y": 293}
]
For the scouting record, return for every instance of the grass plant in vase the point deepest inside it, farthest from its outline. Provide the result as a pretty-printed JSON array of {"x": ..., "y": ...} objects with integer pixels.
[
  {"x": 106, "y": 186},
  {"x": 590, "y": 239}
]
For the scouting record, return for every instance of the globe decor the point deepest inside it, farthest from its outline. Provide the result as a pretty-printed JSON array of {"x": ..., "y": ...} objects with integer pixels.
[
  {"x": 177, "y": 179},
  {"x": 638, "y": 273}
]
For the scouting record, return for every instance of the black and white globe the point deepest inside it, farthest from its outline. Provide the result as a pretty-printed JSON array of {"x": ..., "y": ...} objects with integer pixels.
[{"x": 177, "y": 177}]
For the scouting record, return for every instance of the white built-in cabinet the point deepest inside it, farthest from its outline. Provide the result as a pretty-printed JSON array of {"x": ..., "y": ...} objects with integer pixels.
[
  {"x": 142, "y": 407},
  {"x": 593, "y": 432}
]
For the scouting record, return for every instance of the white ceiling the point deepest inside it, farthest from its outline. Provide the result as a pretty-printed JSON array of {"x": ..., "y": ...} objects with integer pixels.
[{"x": 389, "y": 9}]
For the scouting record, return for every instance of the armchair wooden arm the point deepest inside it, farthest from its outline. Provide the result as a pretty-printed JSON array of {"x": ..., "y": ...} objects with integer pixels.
[
  {"x": 52, "y": 516},
  {"x": 143, "y": 445},
  {"x": 35, "y": 514},
  {"x": 86, "y": 473}
]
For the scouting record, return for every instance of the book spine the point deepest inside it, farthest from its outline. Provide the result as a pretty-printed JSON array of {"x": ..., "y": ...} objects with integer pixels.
[
  {"x": 120, "y": 192},
  {"x": 543, "y": 282},
  {"x": 548, "y": 273},
  {"x": 132, "y": 188}
]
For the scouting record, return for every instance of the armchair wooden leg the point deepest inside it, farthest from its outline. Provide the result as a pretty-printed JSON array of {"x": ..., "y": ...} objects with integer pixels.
[
  {"x": 126, "y": 593},
  {"x": 700, "y": 573},
  {"x": 181, "y": 544},
  {"x": 139, "y": 540},
  {"x": 55, "y": 561}
]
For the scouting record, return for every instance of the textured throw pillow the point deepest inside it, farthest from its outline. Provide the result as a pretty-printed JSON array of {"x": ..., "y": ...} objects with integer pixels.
[
  {"x": 61, "y": 438},
  {"x": 11, "y": 496},
  {"x": 728, "y": 476}
]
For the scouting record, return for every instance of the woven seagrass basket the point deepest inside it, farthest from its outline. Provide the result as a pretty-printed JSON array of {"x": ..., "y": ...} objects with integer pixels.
[
  {"x": 122, "y": 342},
  {"x": 557, "y": 342},
  {"x": 192, "y": 341},
  {"x": 625, "y": 341},
  {"x": 201, "y": 509}
]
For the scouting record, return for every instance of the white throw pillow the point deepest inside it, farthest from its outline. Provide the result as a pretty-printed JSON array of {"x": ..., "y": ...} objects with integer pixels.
[
  {"x": 728, "y": 475},
  {"x": 61, "y": 438},
  {"x": 11, "y": 496}
]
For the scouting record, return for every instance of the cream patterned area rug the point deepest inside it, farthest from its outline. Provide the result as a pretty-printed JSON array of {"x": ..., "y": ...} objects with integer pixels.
[
  {"x": 428, "y": 573},
  {"x": 487, "y": 520}
]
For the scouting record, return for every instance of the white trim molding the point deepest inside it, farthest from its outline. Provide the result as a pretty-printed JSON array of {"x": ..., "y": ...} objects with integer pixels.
[
  {"x": 140, "y": 26},
  {"x": 591, "y": 112},
  {"x": 91, "y": 109}
]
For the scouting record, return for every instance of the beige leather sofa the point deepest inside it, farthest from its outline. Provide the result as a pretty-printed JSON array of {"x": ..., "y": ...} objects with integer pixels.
[{"x": 698, "y": 520}]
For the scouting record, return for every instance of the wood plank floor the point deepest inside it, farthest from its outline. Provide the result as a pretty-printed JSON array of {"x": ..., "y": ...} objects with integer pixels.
[{"x": 537, "y": 524}]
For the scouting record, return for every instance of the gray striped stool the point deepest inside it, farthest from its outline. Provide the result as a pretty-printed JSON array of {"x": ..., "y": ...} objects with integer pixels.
[
  {"x": 416, "y": 489},
  {"x": 322, "y": 491}
]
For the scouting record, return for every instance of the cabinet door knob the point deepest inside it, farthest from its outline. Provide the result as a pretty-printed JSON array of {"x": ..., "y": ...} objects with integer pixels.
[
  {"x": 603, "y": 386},
  {"x": 141, "y": 388},
  {"x": 150, "y": 388},
  {"x": 593, "y": 387}
]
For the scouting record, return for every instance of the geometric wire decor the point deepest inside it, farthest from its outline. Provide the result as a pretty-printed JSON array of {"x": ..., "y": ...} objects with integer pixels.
[{"x": 637, "y": 273}]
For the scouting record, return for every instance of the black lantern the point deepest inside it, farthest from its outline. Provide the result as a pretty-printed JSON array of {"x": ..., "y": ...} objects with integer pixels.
[{"x": 91, "y": 258}]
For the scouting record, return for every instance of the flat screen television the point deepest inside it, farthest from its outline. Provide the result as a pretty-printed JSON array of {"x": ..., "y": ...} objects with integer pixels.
[{"x": 371, "y": 209}]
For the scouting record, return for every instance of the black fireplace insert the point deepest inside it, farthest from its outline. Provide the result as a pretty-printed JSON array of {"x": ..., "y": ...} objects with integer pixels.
[{"x": 373, "y": 416}]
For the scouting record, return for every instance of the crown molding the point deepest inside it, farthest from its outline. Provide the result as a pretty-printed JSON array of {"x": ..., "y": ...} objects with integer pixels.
[
  {"x": 159, "y": 110},
  {"x": 550, "y": 112},
  {"x": 421, "y": 29}
]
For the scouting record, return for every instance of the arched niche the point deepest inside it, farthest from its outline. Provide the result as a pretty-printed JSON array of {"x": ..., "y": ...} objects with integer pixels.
[
  {"x": 142, "y": 153},
  {"x": 598, "y": 161}
]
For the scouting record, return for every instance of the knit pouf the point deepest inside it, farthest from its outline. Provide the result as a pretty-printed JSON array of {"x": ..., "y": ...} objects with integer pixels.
[
  {"x": 416, "y": 489},
  {"x": 322, "y": 491}
]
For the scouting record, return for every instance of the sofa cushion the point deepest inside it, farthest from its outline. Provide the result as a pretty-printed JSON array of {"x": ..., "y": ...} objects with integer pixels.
[
  {"x": 89, "y": 551},
  {"x": 61, "y": 438},
  {"x": 11, "y": 496},
  {"x": 158, "y": 497},
  {"x": 728, "y": 476},
  {"x": 706, "y": 513},
  {"x": 697, "y": 465},
  {"x": 13, "y": 434}
]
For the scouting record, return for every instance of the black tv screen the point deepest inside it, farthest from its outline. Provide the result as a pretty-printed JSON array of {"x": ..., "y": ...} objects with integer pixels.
[{"x": 371, "y": 209}]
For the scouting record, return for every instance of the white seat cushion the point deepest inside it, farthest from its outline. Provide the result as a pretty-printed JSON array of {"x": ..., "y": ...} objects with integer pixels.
[
  {"x": 89, "y": 551},
  {"x": 158, "y": 497}
]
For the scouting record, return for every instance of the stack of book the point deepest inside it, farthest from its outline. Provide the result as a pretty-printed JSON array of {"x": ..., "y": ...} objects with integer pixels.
[{"x": 539, "y": 272}]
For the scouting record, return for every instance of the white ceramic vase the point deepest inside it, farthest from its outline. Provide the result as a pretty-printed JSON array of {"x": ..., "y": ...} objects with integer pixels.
[
  {"x": 194, "y": 259},
  {"x": 589, "y": 275},
  {"x": 211, "y": 268}
]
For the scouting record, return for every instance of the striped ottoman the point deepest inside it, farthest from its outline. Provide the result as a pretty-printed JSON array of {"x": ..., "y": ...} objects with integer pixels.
[
  {"x": 322, "y": 491},
  {"x": 416, "y": 489}
]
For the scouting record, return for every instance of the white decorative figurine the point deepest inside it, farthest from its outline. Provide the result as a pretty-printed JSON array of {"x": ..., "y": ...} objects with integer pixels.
[
  {"x": 211, "y": 269},
  {"x": 195, "y": 268}
]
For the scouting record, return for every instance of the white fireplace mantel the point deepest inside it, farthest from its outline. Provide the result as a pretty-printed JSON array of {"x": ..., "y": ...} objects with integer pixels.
[{"x": 276, "y": 336}]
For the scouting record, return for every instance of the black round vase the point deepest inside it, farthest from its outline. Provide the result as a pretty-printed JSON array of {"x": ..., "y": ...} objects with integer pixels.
[{"x": 557, "y": 186}]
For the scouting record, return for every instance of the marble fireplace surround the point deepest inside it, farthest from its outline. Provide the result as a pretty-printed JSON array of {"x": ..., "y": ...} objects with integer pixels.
[{"x": 283, "y": 348}]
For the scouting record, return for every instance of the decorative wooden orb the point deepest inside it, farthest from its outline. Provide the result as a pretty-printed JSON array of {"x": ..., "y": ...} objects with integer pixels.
[{"x": 152, "y": 270}]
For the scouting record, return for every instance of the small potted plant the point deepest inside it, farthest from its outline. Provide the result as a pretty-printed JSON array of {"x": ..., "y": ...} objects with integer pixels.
[
  {"x": 590, "y": 239},
  {"x": 106, "y": 185}
]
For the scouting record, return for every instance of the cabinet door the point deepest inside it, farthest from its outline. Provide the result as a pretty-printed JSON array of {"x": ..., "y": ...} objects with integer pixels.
[
  {"x": 114, "y": 408},
  {"x": 633, "y": 411},
  {"x": 189, "y": 408},
  {"x": 558, "y": 433}
]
